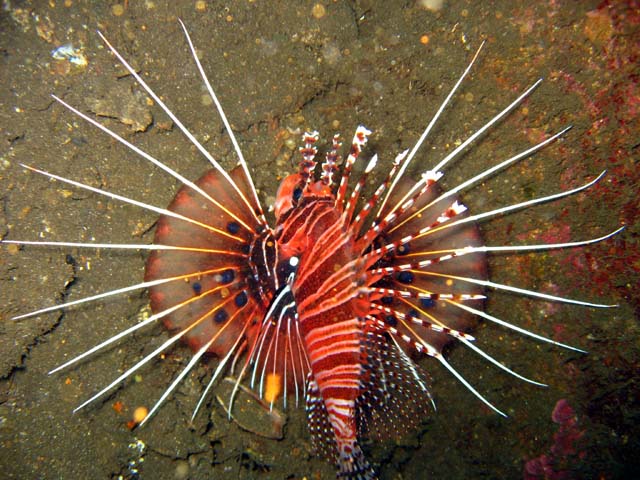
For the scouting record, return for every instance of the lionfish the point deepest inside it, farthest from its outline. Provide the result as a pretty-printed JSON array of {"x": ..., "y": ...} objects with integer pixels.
[{"x": 331, "y": 304}]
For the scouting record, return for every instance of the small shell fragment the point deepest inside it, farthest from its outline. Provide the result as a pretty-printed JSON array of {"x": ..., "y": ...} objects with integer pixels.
[
  {"x": 71, "y": 54},
  {"x": 250, "y": 412}
]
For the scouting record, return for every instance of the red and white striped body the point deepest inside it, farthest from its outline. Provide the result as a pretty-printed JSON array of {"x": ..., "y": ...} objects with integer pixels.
[
  {"x": 330, "y": 316},
  {"x": 356, "y": 376}
]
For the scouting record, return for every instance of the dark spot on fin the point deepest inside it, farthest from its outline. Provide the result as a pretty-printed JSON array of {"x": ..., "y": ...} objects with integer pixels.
[
  {"x": 227, "y": 276},
  {"x": 221, "y": 316},
  {"x": 405, "y": 277},
  {"x": 427, "y": 302},
  {"x": 412, "y": 313},
  {"x": 403, "y": 249},
  {"x": 241, "y": 299},
  {"x": 391, "y": 320},
  {"x": 233, "y": 227}
]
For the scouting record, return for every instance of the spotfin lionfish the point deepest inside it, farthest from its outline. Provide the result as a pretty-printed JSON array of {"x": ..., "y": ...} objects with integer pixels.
[{"x": 332, "y": 304}]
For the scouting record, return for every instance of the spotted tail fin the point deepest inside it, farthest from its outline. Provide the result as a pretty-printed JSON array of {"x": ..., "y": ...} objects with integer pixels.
[
  {"x": 354, "y": 465},
  {"x": 349, "y": 458}
]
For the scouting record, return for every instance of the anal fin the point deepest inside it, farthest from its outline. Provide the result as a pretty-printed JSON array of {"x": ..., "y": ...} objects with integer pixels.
[{"x": 322, "y": 437}]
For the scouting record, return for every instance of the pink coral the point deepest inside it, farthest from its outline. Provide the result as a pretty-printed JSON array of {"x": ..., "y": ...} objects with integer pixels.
[
  {"x": 563, "y": 412},
  {"x": 556, "y": 465}
]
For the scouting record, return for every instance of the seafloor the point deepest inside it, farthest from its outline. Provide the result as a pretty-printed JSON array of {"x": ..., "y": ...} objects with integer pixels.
[{"x": 280, "y": 67}]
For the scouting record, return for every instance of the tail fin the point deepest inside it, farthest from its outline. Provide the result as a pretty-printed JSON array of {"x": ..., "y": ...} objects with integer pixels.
[{"x": 354, "y": 465}]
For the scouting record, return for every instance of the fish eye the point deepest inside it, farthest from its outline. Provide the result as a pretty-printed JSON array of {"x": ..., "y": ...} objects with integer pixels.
[{"x": 297, "y": 194}]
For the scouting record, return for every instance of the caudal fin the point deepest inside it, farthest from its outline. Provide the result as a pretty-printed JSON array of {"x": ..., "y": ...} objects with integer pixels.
[{"x": 354, "y": 465}]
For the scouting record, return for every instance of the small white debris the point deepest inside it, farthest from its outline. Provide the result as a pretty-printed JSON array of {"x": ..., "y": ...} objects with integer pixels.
[
  {"x": 71, "y": 54},
  {"x": 433, "y": 5}
]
